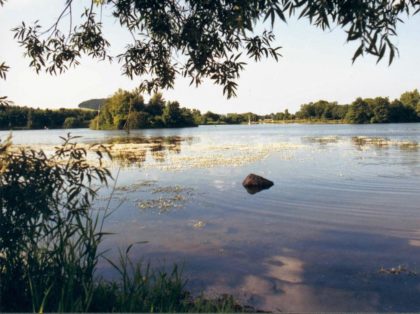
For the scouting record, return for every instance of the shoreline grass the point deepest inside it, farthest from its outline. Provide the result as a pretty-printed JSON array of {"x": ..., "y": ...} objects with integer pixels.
[{"x": 49, "y": 243}]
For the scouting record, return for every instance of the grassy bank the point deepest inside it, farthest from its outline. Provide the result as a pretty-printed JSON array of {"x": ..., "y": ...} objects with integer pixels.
[
  {"x": 50, "y": 239},
  {"x": 305, "y": 121},
  {"x": 291, "y": 121}
]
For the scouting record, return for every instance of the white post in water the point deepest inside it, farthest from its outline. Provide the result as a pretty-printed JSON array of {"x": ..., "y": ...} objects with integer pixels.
[
  {"x": 97, "y": 122},
  {"x": 127, "y": 122}
]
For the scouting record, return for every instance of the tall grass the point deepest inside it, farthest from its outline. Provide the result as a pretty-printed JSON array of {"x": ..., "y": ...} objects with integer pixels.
[
  {"x": 49, "y": 242},
  {"x": 48, "y": 236},
  {"x": 141, "y": 289}
]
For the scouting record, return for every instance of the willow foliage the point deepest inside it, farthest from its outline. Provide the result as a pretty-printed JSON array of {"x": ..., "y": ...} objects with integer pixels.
[{"x": 202, "y": 39}]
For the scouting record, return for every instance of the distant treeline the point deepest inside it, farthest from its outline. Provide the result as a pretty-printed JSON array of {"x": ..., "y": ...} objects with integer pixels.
[
  {"x": 128, "y": 110},
  {"x": 368, "y": 110},
  {"x": 230, "y": 118},
  {"x": 93, "y": 104},
  {"x": 15, "y": 117}
]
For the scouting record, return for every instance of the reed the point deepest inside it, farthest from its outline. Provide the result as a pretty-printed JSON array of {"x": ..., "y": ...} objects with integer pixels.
[{"x": 50, "y": 239}]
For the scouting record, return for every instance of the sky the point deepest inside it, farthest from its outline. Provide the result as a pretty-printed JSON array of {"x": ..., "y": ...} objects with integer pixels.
[{"x": 314, "y": 65}]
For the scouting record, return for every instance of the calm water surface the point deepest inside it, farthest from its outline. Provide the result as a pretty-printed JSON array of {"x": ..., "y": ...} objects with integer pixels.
[{"x": 345, "y": 204}]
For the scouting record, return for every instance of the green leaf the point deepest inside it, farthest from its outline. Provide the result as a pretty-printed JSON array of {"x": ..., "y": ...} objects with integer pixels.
[{"x": 358, "y": 53}]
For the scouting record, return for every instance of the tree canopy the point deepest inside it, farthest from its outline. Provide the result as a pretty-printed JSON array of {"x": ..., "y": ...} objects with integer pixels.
[
  {"x": 201, "y": 39},
  {"x": 15, "y": 117},
  {"x": 365, "y": 110},
  {"x": 128, "y": 110},
  {"x": 94, "y": 104}
]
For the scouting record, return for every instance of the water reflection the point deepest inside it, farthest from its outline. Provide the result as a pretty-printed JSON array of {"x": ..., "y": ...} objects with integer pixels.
[
  {"x": 129, "y": 158},
  {"x": 328, "y": 271},
  {"x": 255, "y": 189},
  {"x": 363, "y": 142},
  {"x": 133, "y": 151},
  {"x": 159, "y": 140},
  {"x": 380, "y": 143},
  {"x": 345, "y": 208},
  {"x": 322, "y": 140}
]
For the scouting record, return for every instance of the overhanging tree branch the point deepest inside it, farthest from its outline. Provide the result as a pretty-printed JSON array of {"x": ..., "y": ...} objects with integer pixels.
[{"x": 210, "y": 38}]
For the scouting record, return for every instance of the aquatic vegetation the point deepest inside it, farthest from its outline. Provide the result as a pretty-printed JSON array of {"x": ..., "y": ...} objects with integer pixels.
[
  {"x": 233, "y": 155},
  {"x": 172, "y": 189},
  {"x": 126, "y": 151},
  {"x": 163, "y": 140},
  {"x": 165, "y": 153},
  {"x": 132, "y": 151},
  {"x": 49, "y": 240},
  {"x": 165, "y": 198},
  {"x": 377, "y": 141},
  {"x": 202, "y": 156},
  {"x": 170, "y": 197},
  {"x": 321, "y": 139},
  {"x": 382, "y": 142},
  {"x": 163, "y": 204},
  {"x": 135, "y": 187},
  {"x": 198, "y": 224},
  {"x": 362, "y": 142},
  {"x": 129, "y": 158},
  {"x": 399, "y": 270}
]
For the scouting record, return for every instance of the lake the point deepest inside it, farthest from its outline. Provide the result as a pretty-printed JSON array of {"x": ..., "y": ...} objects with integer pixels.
[{"x": 338, "y": 231}]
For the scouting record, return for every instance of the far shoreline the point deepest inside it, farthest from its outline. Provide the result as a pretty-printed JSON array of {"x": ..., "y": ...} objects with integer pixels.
[{"x": 274, "y": 122}]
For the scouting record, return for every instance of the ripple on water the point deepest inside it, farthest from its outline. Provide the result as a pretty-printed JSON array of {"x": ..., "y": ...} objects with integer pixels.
[{"x": 344, "y": 204}]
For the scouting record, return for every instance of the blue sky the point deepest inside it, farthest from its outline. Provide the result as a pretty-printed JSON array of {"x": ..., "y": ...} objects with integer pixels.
[{"x": 315, "y": 65}]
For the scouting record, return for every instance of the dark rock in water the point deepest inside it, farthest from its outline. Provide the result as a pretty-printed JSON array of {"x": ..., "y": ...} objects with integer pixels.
[
  {"x": 254, "y": 190},
  {"x": 252, "y": 180},
  {"x": 254, "y": 184}
]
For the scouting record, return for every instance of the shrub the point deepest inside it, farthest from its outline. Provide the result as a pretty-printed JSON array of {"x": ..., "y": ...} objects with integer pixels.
[
  {"x": 49, "y": 239},
  {"x": 48, "y": 236},
  {"x": 72, "y": 122}
]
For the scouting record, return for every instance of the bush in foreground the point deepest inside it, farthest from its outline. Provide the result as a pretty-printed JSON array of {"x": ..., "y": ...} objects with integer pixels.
[{"x": 49, "y": 240}]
